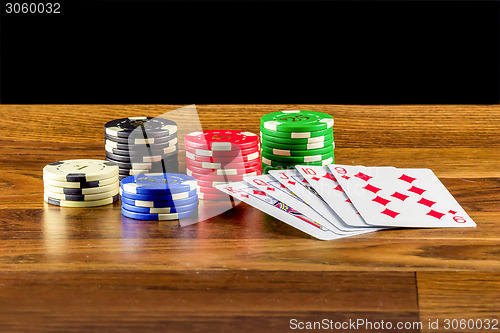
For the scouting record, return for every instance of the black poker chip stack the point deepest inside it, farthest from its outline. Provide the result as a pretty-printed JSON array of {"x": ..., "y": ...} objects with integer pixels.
[{"x": 141, "y": 145}]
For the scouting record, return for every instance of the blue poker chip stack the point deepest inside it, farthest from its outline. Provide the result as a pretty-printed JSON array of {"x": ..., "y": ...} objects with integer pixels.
[{"x": 157, "y": 197}]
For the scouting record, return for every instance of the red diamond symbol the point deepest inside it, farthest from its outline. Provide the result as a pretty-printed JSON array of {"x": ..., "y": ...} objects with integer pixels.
[
  {"x": 244, "y": 195},
  {"x": 452, "y": 212},
  {"x": 407, "y": 178},
  {"x": 315, "y": 178},
  {"x": 381, "y": 200},
  {"x": 426, "y": 202},
  {"x": 362, "y": 176},
  {"x": 282, "y": 186},
  {"x": 435, "y": 214},
  {"x": 348, "y": 200},
  {"x": 305, "y": 181},
  {"x": 330, "y": 176},
  {"x": 259, "y": 192},
  {"x": 417, "y": 190},
  {"x": 345, "y": 177},
  {"x": 390, "y": 213},
  {"x": 290, "y": 182},
  {"x": 399, "y": 196},
  {"x": 372, "y": 188},
  {"x": 270, "y": 188},
  {"x": 338, "y": 188}
]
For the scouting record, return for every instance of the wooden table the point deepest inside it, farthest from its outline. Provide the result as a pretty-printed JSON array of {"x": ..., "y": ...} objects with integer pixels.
[{"x": 81, "y": 269}]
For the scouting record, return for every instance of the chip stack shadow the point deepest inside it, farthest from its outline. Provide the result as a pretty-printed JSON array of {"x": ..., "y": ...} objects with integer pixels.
[
  {"x": 141, "y": 145},
  {"x": 296, "y": 137}
]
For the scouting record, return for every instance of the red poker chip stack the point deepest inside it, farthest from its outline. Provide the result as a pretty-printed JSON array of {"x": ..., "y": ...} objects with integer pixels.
[{"x": 221, "y": 156}]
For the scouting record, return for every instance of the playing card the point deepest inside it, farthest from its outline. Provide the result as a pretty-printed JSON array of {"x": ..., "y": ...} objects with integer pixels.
[
  {"x": 245, "y": 192},
  {"x": 323, "y": 181},
  {"x": 400, "y": 197},
  {"x": 296, "y": 183},
  {"x": 272, "y": 187}
]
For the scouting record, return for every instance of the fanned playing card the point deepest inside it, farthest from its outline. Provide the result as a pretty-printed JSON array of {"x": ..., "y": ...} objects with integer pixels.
[
  {"x": 296, "y": 183},
  {"x": 324, "y": 182},
  {"x": 400, "y": 197},
  {"x": 259, "y": 199},
  {"x": 272, "y": 187}
]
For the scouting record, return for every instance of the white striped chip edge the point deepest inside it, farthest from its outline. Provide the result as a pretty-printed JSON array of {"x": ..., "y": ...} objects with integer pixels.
[
  {"x": 130, "y": 188},
  {"x": 328, "y": 121},
  {"x": 300, "y": 135},
  {"x": 266, "y": 160},
  {"x": 221, "y": 146},
  {"x": 248, "y": 134},
  {"x": 327, "y": 161},
  {"x": 312, "y": 158},
  {"x": 281, "y": 152},
  {"x": 291, "y": 111},
  {"x": 227, "y": 172},
  {"x": 271, "y": 125}
]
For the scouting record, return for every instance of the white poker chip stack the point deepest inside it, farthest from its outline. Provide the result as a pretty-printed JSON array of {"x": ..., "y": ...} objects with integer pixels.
[{"x": 81, "y": 183}]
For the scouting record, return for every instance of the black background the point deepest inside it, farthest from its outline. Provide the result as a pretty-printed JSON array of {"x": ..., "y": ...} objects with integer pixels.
[{"x": 182, "y": 52}]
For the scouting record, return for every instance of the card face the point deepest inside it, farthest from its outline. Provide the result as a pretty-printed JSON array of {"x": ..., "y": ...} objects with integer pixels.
[
  {"x": 259, "y": 199},
  {"x": 272, "y": 187},
  {"x": 400, "y": 197},
  {"x": 323, "y": 181},
  {"x": 296, "y": 183}
]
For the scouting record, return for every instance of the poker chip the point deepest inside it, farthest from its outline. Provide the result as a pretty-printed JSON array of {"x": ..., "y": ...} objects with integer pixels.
[
  {"x": 291, "y": 152},
  {"x": 297, "y": 159},
  {"x": 151, "y": 197},
  {"x": 215, "y": 197},
  {"x": 224, "y": 159},
  {"x": 211, "y": 190},
  {"x": 222, "y": 165},
  {"x": 141, "y": 148},
  {"x": 327, "y": 161},
  {"x": 132, "y": 172},
  {"x": 309, "y": 146},
  {"x": 162, "y": 203},
  {"x": 140, "y": 140},
  {"x": 140, "y": 159},
  {"x": 80, "y": 170},
  {"x": 138, "y": 166},
  {"x": 228, "y": 153},
  {"x": 223, "y": 172},
  {"x": 297, "y": 121},
  {"x": 152, "y": 127},
  {"x": 80, "y": 185},
  {"x": 82, "y": 191},
  {"x": 145, "y": 152},
  {"x": 221, "y": 140},
  {"x": 209, "y": 183},
  {"x": 318, "y": 139},
  {"x": 294, "y": 135},
  {"x": 161, "y": 210},
  {"x": 224, "y": 178},
  {"x": 81, "y": 197},
  {"x": 81, "y": 204},
  {"x": 159, "y": 184},
  {"x": 157, "y": 217}
]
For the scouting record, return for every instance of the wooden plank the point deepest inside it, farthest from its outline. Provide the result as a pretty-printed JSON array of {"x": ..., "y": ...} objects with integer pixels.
[
  {"x": 414, "y": 126},
  {"x": 459, "y": 295},
  {"x": 194, "y": 301}
]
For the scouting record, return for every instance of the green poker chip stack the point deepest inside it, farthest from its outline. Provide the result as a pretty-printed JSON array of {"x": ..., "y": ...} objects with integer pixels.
[{"x": 296, "y": 137}]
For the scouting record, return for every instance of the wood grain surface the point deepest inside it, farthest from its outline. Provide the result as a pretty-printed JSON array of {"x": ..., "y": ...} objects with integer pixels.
[{"x": 69, "y": 269}]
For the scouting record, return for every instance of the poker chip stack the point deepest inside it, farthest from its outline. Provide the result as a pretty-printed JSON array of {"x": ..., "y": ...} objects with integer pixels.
[
  {"x": 142, "y": 145},
  {"x": 155, "y": 197},
  {"x": 221, "y": 156},
  {"x": 81, "y": 183},
  {"x": 296, "y": 137}
]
